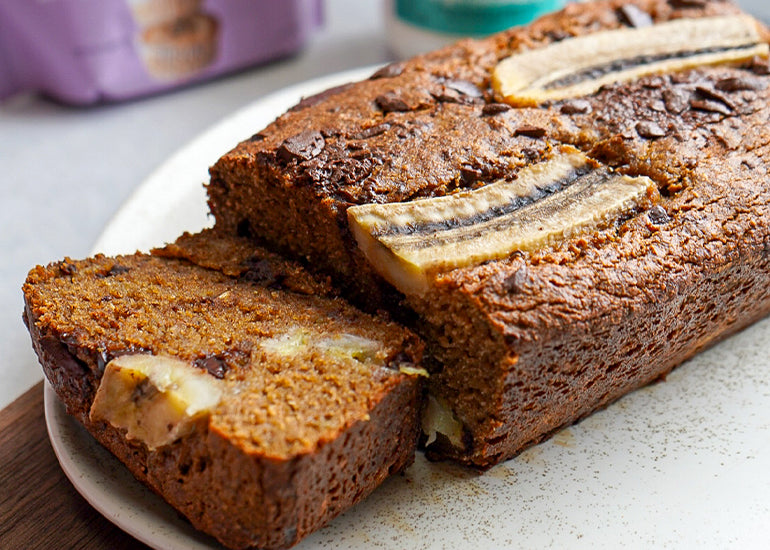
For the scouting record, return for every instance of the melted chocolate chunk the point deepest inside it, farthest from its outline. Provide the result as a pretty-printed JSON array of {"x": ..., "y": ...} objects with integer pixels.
[
  {"x": 67, "y": 268},
  {"x": 710, "y": 106},
  {"x": 215, "y": 366},
  {"x": 634, "y": 16},
  {"x": 760, "y": 65},
  {"x": 390, "y": 102},
  {"x": 676, "y": 100},
  {"x": 688, "y": 3},
  {"x": 491, "y": 109},
  {"x": 263, "y": 272},
  {"x": 709, "y": 93},
  {"x": 464, "y": 87},
  {"x": 256, "y": 138},
  {"x": 533, "y": 132},
  {"x": 576, "y": 107},
  {"x": 515, "y": 284},
  {"x": 649, "y": 130},
  {"x": 303, "y": 146},
  {"x": 116, "y": 269},
  {"x": 658, "y": 216},
  {"x": 739, "y": 84},
  {"x": 371, "y": 132},
  {"x": 388, "y": 71}
]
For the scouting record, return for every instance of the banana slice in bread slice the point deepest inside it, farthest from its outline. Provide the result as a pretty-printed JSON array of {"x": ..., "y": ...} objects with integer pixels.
[
  {"x": 581, "y": 65},
  {"x": 409, "y": 243},
  {"x": 157, "y": 399}
]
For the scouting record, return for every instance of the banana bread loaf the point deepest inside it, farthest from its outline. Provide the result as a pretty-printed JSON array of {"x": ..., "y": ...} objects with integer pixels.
[
  {"x": 230, "y": 382},
  {"x": 546, "y": 283}
]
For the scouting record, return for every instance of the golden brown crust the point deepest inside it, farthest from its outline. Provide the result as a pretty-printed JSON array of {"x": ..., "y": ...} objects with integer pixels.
[{"x": 536, "y": 341}]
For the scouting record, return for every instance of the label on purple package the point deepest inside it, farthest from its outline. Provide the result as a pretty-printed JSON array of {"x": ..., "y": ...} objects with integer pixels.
[{"x": 85, "y": 51}]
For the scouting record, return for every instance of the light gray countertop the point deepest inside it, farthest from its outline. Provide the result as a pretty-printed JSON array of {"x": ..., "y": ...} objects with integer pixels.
[{"x": 67, "y": 170}]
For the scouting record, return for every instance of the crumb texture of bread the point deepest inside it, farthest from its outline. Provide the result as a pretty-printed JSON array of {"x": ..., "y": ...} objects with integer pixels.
[{"x": 315, "y": 412}]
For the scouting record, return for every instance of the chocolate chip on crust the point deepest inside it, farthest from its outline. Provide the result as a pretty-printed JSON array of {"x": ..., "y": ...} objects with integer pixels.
[
  {"x": 575, "y": 107},
  {"x": 634, "y": 16},
  {"x": 491, "y": 109},
  {"x": 738, "y": 84},
  {"x": 390, "y": 102},
  {"x": 710, "y": 106},
  {"x": 658, "y": 216},
  {"x": 388, "y": 71},
  {"x": 533, "y": 132},
  {"x": 464, "y": 87},
  {"x": 303, "y": 146},
  {"x": 675, "y": 100},
  {"x": 649, "y": 130},
  {"x": 215, "y": 366}
]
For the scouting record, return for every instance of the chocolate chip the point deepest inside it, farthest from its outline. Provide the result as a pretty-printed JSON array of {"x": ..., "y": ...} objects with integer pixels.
[
  {"x": 116, "y": 269},
  {"x": 390, "y": 102},
  {"x": 738, "y": 84},
  {"x": 675, "y": 99},
  {"x": 491, "y": 109},
  {"x": 68, "y": 268},
  {"x": 759, "y": 66},
  {"x": 709, "y": 93},
  {"x": 657, "y": 215},
  {"x": 575, "y": 107},
  {"x": 649, "y": 130},
  {"x": 470, "y": 175},
  {"x": 533, "y": 132},
  {"x": 634, "y": 16},
  {"x": 688, "y": 3},
  {"x": 102, "y": 358},
  {"x": 388, "y": 71},
  {"x": 710, "y": 106},
  {"x": 515, "y": 284},
  {"x": 557, "y": 35},
  {"x": 464, "y": 87},
  {"x": 215, "y": 366},
  {"x": 303, "y": 146},
  {"x": 263, "y": 272},
  {"x": 256, "y": 137},
  {"x": 371, "y": 131}
]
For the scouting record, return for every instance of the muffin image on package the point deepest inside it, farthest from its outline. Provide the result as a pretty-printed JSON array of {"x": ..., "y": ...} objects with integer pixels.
[
  {"x": 148, "y": 13},
  {"x": 178, "y": 49},
  {"x": 176, "y": 39}
]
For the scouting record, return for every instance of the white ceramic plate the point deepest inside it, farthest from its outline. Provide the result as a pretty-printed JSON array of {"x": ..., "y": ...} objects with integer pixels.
[{"x": 680, "y": 464}]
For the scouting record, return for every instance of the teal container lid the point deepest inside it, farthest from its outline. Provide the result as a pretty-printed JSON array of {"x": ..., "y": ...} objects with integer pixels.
[{"x": 472, "y": 17}]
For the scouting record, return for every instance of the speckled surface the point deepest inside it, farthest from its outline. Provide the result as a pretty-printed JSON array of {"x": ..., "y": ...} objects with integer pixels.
[{"x": 683, "y": 463}]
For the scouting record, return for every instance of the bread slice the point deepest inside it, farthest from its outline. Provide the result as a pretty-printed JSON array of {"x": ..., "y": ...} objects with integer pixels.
[
  {"x": 536, "y": 339},
  {"x": 230, "y": 382}
]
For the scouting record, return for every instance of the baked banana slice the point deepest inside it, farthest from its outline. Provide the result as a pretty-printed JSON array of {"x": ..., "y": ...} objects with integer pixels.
[
  {"x": 409, "y": 243},
  {"x": 580, "y": 66},
  {"x": 156, "y": 399}
]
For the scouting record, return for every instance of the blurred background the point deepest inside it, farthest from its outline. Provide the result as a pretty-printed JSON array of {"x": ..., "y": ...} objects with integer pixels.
[{"x": 66, "y": 170}]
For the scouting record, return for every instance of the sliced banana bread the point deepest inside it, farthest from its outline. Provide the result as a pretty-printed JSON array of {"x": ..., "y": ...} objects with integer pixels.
[
  {"x": 230, "y": 382},
  {"x": 547, "y": 281}
]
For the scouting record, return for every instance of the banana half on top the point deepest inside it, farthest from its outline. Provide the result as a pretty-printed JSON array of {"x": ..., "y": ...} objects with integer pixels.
[
  {"x": 409, "y": 243},
  {"x": 580, "y": 66}
]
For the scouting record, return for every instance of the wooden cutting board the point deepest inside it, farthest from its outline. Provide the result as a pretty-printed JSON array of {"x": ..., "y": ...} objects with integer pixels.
[{"x": 39, "y": 507}]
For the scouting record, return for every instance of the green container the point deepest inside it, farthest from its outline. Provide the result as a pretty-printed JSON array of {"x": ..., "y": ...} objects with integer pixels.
[{"x": 471, "y": 17}]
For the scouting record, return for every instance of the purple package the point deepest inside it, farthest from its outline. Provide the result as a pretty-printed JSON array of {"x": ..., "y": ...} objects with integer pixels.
[{"x": 86, "y": 51}]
